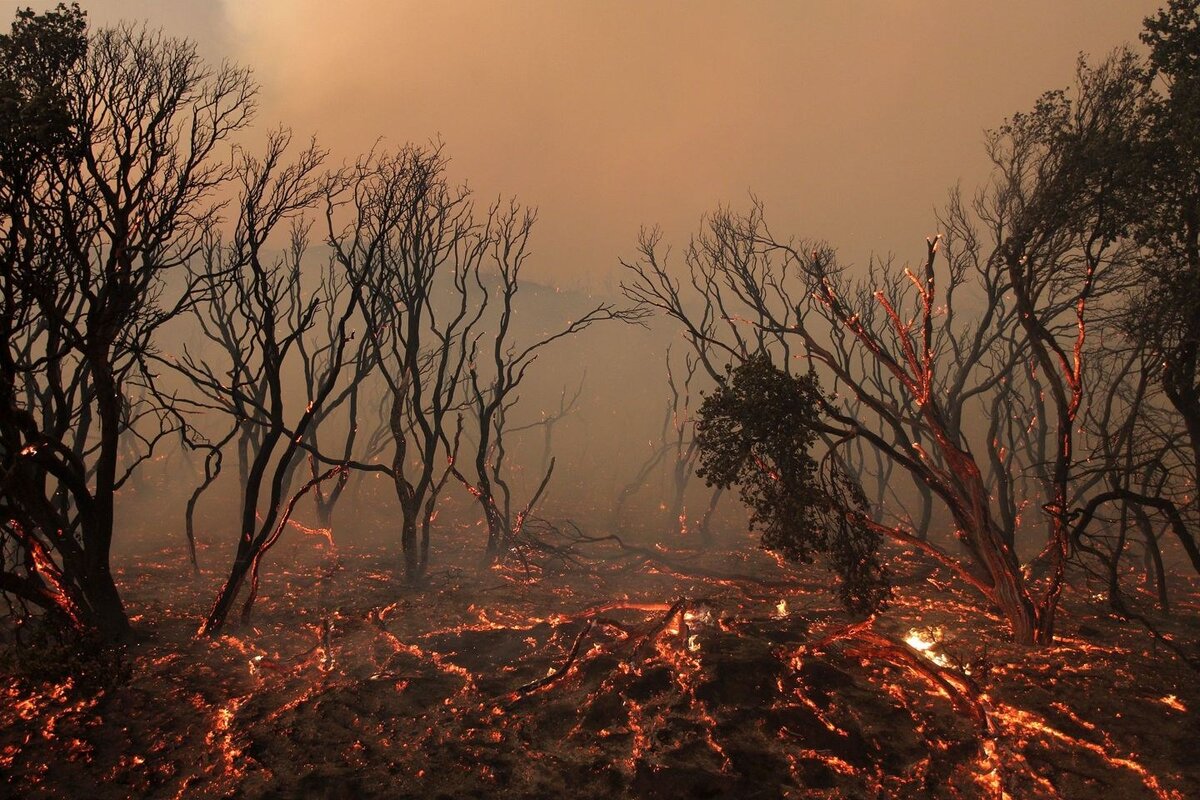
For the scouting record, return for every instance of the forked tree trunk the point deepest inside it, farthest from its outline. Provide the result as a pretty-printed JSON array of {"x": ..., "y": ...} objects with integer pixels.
[
  {"x": 497, "y": 543},
  {"x": 229, "y": 592},
  {"x": 1006, "y": 584}
]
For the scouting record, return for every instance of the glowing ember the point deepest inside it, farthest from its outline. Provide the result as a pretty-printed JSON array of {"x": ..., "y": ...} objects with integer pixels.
[
  {"x": 443, "y": 681},
  {"x": 1172, "y": 701},
  {"x": 917, "y": 641}
]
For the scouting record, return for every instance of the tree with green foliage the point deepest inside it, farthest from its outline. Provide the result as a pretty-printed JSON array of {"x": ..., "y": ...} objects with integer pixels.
[
  {"x": 756, "y": 431},
  {"x": 1166, "y": 313}
]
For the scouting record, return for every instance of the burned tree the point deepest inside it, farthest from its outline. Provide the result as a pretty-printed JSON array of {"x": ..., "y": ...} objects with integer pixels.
[
  {"x": 109, "y": 161},
  {"x": 549, "y": 420},
  {"x": 1059, "y": 206},
  {"x": 271, "y": 309},
  {"x": 1166, "y": 313},
  {"x": 413, "y": 242},
  {"x": 1127, "y": 460},
  {"x": 1051, "y": 214},
  {"x": 798, "y": 291},
  {"x": 1126, "y": 158},
  {"x": 345, "y": 403},
  {"x": 1053, "y": 249},
  {"x": 684, "y": 445},
  {"x": 494, "y": 392},
  {"x": 676, "y": 439},
  {"x": 1160, "y": 313}
]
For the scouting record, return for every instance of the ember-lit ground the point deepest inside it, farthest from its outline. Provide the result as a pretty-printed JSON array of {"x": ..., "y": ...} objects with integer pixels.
[{"x": 595, "y": 681}]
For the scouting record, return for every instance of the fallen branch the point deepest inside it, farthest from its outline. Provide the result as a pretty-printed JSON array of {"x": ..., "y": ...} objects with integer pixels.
[
  {"x": 963, "y": 694},
  {"x": 556, "y": 674},
  {"x": 675, "y": 610}
]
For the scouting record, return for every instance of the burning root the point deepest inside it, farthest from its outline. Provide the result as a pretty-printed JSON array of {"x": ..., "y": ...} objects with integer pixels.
[
  {"x": 559, "y": 672},
  {"x": 955, "y": 685}
]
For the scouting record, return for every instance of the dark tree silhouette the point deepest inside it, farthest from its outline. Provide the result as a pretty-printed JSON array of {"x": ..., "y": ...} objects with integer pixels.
[
  {"x": 493, "y": 392},
  {"x": 1061, "y": 203},
  {"x": 677, "y": 440},
  {"x": 108, "y": 161},
  {"x": 740, "y": 274},
  {"x": 413, "y": 241},
  {"x": 1051, "y": 214},
  {"x": 548, "y": 421},
  {"x": 271, "y": 309},
  {"x": 1165, "y": 314}
]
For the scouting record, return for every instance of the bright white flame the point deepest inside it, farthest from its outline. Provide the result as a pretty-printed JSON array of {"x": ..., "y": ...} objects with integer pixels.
[
  {"x": 917, "y": 642},
  {"x": 781, "y": 609},
  {"x": 916, "y": 639}
]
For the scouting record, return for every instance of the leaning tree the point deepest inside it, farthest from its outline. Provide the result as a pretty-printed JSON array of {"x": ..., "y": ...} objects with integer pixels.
[
  {"x": 267, "y": 304},
  {"x": 1040, "y": 249}
]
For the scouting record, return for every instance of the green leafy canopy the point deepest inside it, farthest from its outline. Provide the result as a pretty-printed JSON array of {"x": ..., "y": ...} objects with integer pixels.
[{"x": 756, "y": 431}]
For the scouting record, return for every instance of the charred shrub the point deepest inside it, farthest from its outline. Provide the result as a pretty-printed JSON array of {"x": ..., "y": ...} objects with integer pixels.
[{"x": 756, "y": 431}]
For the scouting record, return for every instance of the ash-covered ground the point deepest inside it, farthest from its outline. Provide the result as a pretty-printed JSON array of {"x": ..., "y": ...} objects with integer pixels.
[{"x": 637, "y": 671}]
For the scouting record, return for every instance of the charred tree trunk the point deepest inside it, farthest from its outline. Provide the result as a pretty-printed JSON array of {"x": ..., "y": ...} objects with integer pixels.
[
  {"x": 97, "y": 583},
  {"x": 706, "y": 534},
  {"x": 1153, "y": 558}
]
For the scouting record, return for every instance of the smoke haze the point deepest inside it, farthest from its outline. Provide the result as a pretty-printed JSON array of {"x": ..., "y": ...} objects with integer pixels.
[{"x": 849, "y": 120}]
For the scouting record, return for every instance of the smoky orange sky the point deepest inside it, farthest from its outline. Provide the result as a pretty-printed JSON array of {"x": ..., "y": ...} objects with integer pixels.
[{"x": 850, "y": 120}]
